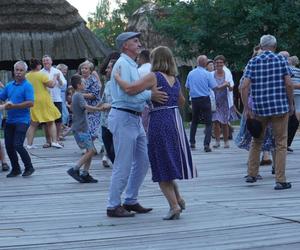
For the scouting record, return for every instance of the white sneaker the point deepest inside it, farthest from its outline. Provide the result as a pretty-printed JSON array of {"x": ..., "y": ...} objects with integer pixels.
[
  {"x": 106, "y": 162},
  {"x": 56, "y": 145},
  {"x": 31, "y": 146}
]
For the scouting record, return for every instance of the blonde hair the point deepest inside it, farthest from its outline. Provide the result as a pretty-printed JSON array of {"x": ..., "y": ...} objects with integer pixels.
[{"x": 162, "y": 59}]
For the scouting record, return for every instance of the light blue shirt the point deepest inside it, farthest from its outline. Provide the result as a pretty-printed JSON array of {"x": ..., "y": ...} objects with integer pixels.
[
  {"x": 199, "y": 82},
  {"x": 129, "y": 72}
]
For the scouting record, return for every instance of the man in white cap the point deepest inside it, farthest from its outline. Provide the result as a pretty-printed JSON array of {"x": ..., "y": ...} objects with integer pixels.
[
  {"x": 268, "y": 77},
  {"x": 124, "y": 121}
]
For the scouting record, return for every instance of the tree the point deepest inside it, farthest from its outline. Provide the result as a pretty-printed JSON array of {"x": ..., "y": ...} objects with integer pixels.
[
  {"x": 108, "y": 25},
  {"x": 229, "y": 27}
]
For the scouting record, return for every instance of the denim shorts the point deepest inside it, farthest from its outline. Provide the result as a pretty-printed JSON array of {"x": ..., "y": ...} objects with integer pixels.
[{"x": 84, "y": 140}]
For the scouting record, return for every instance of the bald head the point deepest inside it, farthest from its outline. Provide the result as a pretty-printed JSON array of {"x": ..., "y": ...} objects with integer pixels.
[{"x": 202, "y": 61}]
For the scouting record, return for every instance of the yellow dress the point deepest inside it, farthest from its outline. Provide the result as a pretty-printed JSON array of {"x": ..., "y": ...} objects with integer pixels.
[{"x": 43, "y": 109}]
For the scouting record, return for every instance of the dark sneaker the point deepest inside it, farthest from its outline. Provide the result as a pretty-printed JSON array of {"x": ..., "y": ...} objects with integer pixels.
[
  {"x": 87, "y": 179},
  {"x": 5, "y": 167},
  {"x": 137, "y": 208},
  {"x": 74, "y": 174},
  {"x": 119, "y": 212},
  {"x": 259, "y": 177},
  {"x": 13, "y": 173},
  {"x": 28, "y": 172},
  {"x": 282, "y": 185},
  {"x": 290, "y": 149},
  {"x": 193, "y": 145},
  {"x": 250, "y": 179},
  {"x": 207, "y": 149}
]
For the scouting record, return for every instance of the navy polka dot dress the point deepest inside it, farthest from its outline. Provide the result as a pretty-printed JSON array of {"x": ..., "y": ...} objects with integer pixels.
[{"x": 169, "y": 151}]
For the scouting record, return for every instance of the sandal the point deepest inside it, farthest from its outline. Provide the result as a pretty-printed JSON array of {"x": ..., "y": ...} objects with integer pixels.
[{"x": 47, "y": 145}]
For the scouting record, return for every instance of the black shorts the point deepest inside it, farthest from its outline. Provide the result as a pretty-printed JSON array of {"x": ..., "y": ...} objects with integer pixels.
[{"x": 59, "y": 107}]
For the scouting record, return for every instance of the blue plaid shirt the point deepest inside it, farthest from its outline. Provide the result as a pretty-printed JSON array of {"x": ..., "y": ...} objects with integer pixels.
[{"x": 266, "y": 72}]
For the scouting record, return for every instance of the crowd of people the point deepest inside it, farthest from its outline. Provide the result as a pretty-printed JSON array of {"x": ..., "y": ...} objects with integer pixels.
[{"x": 136, "y": 116}]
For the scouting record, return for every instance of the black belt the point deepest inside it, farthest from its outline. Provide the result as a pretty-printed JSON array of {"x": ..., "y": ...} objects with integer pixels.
[
  {"x": 200, "y": 97},
  {"x": 129, "y": 111}
]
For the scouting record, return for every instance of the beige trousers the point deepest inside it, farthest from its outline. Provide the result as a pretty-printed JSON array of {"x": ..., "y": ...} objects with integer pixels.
[{"x": 279, "y": 126}]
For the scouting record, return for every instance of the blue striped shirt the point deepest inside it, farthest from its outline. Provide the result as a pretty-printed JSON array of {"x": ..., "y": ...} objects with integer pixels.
[{"x": 266, "y": 72}]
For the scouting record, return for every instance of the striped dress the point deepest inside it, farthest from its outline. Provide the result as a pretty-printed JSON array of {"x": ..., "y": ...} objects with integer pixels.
[{"x": 169, "y": 151}]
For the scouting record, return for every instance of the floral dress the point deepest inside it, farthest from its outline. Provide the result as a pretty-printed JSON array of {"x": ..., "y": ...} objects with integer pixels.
[
  {"x": 92, "y": 86},
  {"x": 223, "y": 114}
]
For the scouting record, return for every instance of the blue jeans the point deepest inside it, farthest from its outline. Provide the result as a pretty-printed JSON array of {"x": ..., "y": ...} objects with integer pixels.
[
  {"x": 14, "y": 136},
  {"x": 131, "y": 157}
]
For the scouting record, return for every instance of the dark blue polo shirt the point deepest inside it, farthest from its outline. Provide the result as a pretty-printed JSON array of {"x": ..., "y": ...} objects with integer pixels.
[{"x": 18, "y": 93}]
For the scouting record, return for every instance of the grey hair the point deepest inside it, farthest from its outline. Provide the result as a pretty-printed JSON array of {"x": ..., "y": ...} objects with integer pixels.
[
  {"x": 293, "y": 60},
  {"x": 268, "y": 41},
  {"x": 87, "y": 62},
  {"x": 23, "y": 63},
  {"x": 61, "y": 66}
]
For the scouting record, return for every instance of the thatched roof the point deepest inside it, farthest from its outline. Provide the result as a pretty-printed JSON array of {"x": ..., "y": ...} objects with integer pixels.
[
  {"x": 151, "y": 38},
  {"x": 32, "y": 28}
]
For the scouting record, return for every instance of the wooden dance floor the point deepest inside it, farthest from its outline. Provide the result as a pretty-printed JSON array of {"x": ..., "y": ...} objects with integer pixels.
[{"x": 49, "y": 210}]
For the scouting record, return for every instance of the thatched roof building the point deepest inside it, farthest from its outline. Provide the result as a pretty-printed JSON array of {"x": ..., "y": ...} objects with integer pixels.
[
  {"x": 33, "y": 28},
  {"x": 141, "y": 21}
]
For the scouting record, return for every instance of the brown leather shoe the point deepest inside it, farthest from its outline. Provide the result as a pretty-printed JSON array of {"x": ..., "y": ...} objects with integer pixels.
[
  {"x": 118, "y": 212},
  {"x": 137, "y": 208}
]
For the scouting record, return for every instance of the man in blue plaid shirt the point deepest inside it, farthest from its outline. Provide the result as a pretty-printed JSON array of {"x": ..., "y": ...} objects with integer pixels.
[{"x": 268, "y": 78}]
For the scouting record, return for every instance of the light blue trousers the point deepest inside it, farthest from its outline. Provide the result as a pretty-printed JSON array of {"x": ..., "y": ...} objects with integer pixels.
[
  {"x": 65, "y": 113},
  {"x": 131, "y": 157}
]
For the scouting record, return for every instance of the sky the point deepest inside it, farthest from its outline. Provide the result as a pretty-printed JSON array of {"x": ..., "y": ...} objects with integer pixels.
[{"x": 85, "y": 7}]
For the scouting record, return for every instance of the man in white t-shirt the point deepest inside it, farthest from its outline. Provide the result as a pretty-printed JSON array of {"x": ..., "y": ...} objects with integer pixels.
[
  {"x": 55, "y": 92},
  {"x": 143, "y": 61}
]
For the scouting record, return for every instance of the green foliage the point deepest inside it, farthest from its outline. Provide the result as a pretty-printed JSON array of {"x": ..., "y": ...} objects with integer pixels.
[
  {"x": 229, "y": 27},
  {"x": 108, "y": 25}
]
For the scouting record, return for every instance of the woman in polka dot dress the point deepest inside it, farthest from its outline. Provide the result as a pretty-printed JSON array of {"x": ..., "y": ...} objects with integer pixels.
[{"x": 168, "y": 148}]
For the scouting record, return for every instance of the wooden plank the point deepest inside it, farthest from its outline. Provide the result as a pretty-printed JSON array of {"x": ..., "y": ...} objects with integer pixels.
[{"x": 51, "y": 211}]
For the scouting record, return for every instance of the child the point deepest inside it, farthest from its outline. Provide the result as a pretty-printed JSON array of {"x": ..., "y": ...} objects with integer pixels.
[
  {"x": 168, "y": 149},
  {"x": 81, "y": 131}
]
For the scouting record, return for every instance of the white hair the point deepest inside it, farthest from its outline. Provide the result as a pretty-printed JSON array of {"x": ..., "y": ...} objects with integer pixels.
[
  {"x": 293, "y": 60},
  {"x": 22, "y": 63},
  {"x": 268, "y": 41}
]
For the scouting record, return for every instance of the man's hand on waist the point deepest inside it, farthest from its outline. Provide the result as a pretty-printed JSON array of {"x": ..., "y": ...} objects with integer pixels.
[{"x": 158, "y": 96}]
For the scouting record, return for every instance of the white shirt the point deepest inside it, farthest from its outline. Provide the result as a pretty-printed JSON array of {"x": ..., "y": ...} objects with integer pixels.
[
  {"x": 144, "y": 69},
  {"x": 55, "y": 92}
]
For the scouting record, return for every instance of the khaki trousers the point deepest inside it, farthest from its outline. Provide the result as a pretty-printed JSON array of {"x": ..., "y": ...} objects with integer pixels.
[{"x": 279, "y": 126}]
